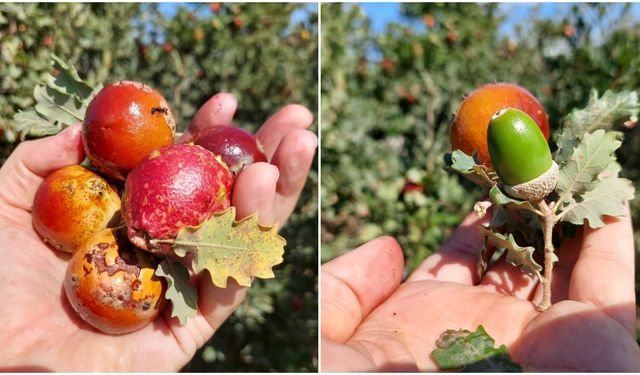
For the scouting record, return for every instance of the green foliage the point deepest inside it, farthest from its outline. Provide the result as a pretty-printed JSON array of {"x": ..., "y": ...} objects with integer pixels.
[
  {"x": 183, "y": 296},
  {"x": 607, "y": 198},
  {"x": 259, "y": 52},
  {"x": 468, "y": 167},
  {"x": 467, "y": 351},
  {"x": 516, "y": 255},
  {"x": 600, "y": 113},
  {"x": 382, "y": 142},
  {"x": 388, "y": 98},
  {"x": 587, "y": 160},
  {"x": 59, "y": 102}
]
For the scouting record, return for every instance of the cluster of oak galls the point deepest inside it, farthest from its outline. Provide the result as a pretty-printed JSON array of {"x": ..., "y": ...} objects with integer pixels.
[{"x": 142, "y": 187}]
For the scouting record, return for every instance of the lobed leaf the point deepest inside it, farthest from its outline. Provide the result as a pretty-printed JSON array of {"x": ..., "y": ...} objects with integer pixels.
[
  {"x": 29, "y": 123},
  {"x": 589, "y": 158},
  {"x": 57, "y": 107},
  {"x": 61, "y": 100},
  {"x": 466, "y": 351},
  {"x": 600, "y": 113},
  {"x": 516, "y": 255},
  {"x": 68, "y": 82},
  {"x": 467, "y": 166},
  {"x": 606, "y": 199},
  {"x": 499, "y": 198},
  {"x": 183, "y": 296},
  {"x": 226, "y": 248}
]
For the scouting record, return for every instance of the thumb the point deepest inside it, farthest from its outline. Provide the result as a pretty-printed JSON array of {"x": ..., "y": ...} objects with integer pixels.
[
  {"x": 357, "y": 282},
  {"x": 33, "y": 160}
]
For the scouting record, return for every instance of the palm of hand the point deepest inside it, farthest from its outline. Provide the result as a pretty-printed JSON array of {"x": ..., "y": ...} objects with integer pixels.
[
  {"x": 401, "y": 332},
  {"x": 376, "y": 323}
]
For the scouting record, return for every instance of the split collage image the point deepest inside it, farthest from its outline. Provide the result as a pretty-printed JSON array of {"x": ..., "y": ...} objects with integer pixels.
[{"x": 319, "y": 187}]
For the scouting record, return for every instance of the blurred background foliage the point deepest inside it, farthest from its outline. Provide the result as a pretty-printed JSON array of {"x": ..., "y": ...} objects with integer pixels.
[
  {"x": 388, "y": 98},
  {"x": 265, "y": 54}
]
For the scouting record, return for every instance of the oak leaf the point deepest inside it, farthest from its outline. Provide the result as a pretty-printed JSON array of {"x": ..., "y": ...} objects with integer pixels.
[
  {"x": 466, "y": 351},
  {"x": 227, "y": 248},
  {"x": 183, "y": 296}
]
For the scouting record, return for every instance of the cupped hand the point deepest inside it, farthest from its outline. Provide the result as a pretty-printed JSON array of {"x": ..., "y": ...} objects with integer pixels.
[
  {"x": 40, "y": 331},
  {"x": 373, "y": 322}
]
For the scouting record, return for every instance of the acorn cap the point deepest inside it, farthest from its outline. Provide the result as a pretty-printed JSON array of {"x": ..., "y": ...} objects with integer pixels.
[
  {"x": 519, "y": 152},
  {"x": 537, "y": 188}
]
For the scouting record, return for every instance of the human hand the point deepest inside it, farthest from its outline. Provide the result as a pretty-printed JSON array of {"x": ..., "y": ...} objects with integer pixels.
[
  {"x": 41, "y": 331},
  {"x": 373, "y": 322}
]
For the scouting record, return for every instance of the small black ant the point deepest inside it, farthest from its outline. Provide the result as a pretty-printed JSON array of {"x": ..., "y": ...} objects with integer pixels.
[{"x": 154, "y": 110}]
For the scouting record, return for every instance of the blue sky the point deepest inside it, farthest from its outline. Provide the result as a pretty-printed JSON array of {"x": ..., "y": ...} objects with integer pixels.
[{"x": 383, "y": 13}]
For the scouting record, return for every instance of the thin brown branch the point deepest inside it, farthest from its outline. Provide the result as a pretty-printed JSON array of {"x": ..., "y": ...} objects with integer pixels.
[{"x": 548, "y": 221}]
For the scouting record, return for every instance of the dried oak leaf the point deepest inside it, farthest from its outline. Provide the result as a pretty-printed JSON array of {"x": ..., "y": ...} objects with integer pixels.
[{"x": 227, "y": 248}]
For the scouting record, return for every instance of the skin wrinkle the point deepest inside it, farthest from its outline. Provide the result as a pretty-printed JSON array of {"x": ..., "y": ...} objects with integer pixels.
[
  {"x": 593, "y": 319},
  {"x": 181, "y": 344},
  {"x": 598, "y": 297},
  {"x": 378, "y": 354},
  {"x": 20, "y": 182},
  {"x": 342, "y": 282},
  {"x": 360, "y": 347}
]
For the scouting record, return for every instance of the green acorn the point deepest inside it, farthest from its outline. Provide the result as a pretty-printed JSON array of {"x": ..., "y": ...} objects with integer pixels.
[{"x": 520, "y": 155}]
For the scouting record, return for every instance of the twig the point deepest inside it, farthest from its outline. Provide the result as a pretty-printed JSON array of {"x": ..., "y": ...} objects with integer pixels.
[{"x": 548, "y": 221}]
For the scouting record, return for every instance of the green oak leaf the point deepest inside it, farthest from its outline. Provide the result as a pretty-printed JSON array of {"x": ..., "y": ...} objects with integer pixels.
[
  {"x": 516, "y": 255},
  {"x": 590, "y": 157},
  {"x": 68, "y": 82},
  {"x": 606, "y": 199},
  {"x": 30, "y": 123},
  {"x": 61, "y": 101},
  {"x": 227, "y": 248},
  {"x": 467, "y": 166},
  {"x": 57, "y": 106},
  {"x": 499, "y": 198},
  {"x": 183, "y": 296},
  {"x": 466, "y": 351},
  {"x": 460, "y": 162},
  {"x": 600, "y": 113}
]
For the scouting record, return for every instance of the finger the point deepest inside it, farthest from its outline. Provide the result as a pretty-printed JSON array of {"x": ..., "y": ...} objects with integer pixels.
[
  {"x": 344, "y": 358},
  {"x": 33, "y": 160},
  {"x": 356, "y": 282},
  {"x": 457, "y": 259},
  {"x": 293, "y": 159},
  {"x": 45, "y": 155},
  {"x": 604, "y": 272},
  {"x": 218, "y": 110},
  {"x": 255, "y": 191},
  {"x": 215, "y": 305},
  {"x": 290, "y": 117}
]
